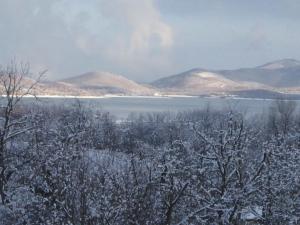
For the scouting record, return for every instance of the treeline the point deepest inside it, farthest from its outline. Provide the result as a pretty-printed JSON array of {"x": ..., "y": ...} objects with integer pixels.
[{"x": 72, "y": 165}]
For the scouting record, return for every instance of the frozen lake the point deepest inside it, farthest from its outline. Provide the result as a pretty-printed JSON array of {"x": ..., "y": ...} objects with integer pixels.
[{"x": 121, "y": 107}]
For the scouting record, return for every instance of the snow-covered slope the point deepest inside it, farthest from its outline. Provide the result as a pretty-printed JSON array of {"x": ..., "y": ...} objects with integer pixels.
[
  {"x": 199, "y": 81},
  {"x": 278, "y": 74},
  {"x": 107, "y": 83}
]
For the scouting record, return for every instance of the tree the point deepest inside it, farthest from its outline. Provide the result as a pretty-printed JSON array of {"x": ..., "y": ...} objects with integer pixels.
[{"x": 14, "y": 86}]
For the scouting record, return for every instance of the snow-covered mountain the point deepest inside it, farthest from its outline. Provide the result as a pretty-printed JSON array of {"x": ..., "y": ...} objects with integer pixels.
[
  {"x": 94, "y": 84},
  {"x": 199, "y": 82},
  {"x": 281, "y": 75},
  {"x": 107, "y": 83},
  {"x": 273, "y": 77},
  {"x": 281, "y": 64},
  {"x": 278, "y": 74}
]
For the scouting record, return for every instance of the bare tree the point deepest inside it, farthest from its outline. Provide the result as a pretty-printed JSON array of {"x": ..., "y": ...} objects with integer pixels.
[{"x": 14, "y": 85}]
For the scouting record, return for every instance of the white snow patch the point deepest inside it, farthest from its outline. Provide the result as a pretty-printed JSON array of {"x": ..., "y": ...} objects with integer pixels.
[{"x": 206, "y": 74}]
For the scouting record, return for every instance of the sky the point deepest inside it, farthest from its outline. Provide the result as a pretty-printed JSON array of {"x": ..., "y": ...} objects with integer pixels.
[{"x": 147, "y": 39}]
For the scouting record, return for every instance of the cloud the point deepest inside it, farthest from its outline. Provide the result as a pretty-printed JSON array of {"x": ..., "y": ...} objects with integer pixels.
[
  {"x": 148, "y": 40},
  {"x": 124, "y": 30},
  {"x": 146, "y": 23}
]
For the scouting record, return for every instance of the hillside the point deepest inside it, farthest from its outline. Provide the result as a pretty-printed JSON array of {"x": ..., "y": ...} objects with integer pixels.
[
  {"x": 101, "y": 83},
  {"x": 89, "y": 84},
  {"x": 281, "y": 75},
  {"x": 202, "y": 82}
]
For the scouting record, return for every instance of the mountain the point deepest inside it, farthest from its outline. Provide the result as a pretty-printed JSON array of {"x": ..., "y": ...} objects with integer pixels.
[
  {"x": 60, "y": 88},
  {"x": 203, "y": 82},
  {"x": 277, "y": 76},
  {"x": 280, "y": 64},
  {"x": 99, "y": 83}
]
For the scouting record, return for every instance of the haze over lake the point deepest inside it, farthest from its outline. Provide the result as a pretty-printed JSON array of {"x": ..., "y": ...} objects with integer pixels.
[{"x": 122, "y": 107}]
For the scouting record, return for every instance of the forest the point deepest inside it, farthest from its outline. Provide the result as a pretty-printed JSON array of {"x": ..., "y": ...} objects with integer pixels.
[{"x": 80, "y": 166}]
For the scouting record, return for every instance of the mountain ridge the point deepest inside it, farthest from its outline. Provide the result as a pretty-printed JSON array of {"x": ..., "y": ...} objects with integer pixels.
[
  {"x": 102, "y": 83},
  {"x": 282, "y": 63},
  {"x": 276, "y": 76},
  {"x": 273, "y": 76}
]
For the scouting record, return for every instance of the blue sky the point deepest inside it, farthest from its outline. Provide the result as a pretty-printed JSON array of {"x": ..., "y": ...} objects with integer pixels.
[{"x": 147, "y": 39}]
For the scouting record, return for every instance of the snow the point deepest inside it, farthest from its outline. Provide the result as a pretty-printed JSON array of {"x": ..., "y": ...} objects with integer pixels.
[
  {"x": 206, "y": 75},
  {"x": 251, "y": 213}
]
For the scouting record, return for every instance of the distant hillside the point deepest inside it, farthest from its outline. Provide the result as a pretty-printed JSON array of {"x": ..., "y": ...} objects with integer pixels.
[
  {"x": 273, "y": 79},
  {"x": 280, "y": 64},
  {"x": 60, "y": 88},
  {"x": 274, "y": 76},
  {"x": 279, "y": 74},
  {"x": 106, "y": 83},
  {"x": 199, "y": 81}
]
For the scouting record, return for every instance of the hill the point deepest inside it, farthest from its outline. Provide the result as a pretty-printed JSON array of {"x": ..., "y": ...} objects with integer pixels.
[
  {"x": 276, "y": 76},
  {"x": 270, "y": 79},
  {"x": 203, "y": 82},
  {"x": 100, "y": 83}
]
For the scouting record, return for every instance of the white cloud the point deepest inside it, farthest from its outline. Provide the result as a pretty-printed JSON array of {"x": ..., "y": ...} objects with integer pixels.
[
  {"x": 124, "y": 30},
  {"x": 147, "y": 25}
]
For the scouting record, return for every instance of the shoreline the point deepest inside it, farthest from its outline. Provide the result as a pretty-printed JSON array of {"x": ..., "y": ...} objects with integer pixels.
[
  {"x": 151, "y": 97},
  {"x": 109, "y": 96}
]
